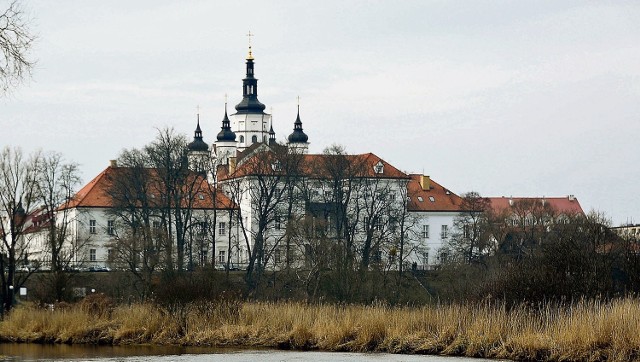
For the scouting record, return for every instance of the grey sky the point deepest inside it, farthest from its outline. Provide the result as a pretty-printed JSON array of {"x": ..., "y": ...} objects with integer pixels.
[{"x": 522, "y": 98}]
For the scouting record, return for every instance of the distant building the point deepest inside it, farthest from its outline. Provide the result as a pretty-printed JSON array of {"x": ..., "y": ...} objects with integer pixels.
[{"x": 278, "y": 197}]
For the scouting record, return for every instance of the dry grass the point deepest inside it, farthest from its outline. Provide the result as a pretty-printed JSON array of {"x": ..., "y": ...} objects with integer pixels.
[{"x": 583, "y": 331}]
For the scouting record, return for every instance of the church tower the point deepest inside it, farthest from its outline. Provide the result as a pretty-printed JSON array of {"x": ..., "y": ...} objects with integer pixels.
[
  {"x": 226, "y": 144},
  {"x": 298, "y": 139},
  {"x": 250, "y": 122},
  {"x": 198, "y": 151}
]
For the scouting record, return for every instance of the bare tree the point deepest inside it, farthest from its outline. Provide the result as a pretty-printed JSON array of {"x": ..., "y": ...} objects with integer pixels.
[
  {"x": 264, "y": 179},
  {"x": 56, "y": 184},
  {"x": 469, "y": 240},
  {"x": 16, "y": 41},
  {"x": 404, "y": 228},
  {"x": 139, "y": 236},
  {"x": 333, "y": 194},
  {"x": 18, "y": 187}
]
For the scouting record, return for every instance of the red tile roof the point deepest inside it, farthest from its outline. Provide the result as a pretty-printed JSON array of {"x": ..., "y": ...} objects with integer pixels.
[
  {"x": 314, "y": 165},
  {"x": 435, "y": 198},
  {"x": 566, "y": 205},
  {"x": 96, "y": 192}
]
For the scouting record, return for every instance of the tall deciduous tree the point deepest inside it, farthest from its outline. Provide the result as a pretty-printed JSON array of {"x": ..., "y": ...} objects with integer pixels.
[
  {"x": 16, "y": 41},
  {"x": 56, "y": 183},
  {"x": 470, "y": 238},
  {"x": 18, "y": 192}
]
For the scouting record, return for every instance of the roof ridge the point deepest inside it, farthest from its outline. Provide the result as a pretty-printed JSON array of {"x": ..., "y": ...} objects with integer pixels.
[{"x": 89, "y": 187}]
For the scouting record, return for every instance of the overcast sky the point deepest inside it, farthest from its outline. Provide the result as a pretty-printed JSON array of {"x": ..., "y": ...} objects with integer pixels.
[{"x": 507, "y": 98}]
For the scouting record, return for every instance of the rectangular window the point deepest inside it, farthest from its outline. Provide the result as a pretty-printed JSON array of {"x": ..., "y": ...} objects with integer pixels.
[
  {"x": 110, "y": 227},
  {"x": 156, "y": 224},
  {"x": 203, "y": 227},
  {"x": 278, "y": 222},
  {"x": 92, "y": 254},
  {"x": 92, "y": 226},
  {"x": 221, "y": 256},
  {"x": 222, "y": 228},
  {"x": 444, "y": 233},
  {"x": 465, "y": 231},
  {"x": 276, "y": 256},
  {"x": 425, "y": 231},
  {"x": 110, "y": 254}
]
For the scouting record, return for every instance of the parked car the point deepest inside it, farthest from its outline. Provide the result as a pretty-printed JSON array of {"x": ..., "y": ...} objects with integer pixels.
[{"x": 99, "y": 269}]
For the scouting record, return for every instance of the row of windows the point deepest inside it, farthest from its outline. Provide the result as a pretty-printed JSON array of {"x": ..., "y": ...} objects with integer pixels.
[
  {"x": 254, "y": 139},
  {"x": 444, "y": 231},
  {"x": 93, "y": 253},
  {"x": 222, "y": 227},
  {"x": 110, "y": 227}
]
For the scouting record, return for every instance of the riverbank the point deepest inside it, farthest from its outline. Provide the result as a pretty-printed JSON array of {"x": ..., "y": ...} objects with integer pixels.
[{"x": 582, "y": 331}]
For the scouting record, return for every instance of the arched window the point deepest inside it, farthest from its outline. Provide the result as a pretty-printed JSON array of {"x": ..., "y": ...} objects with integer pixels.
[
  {"x": 241, "y": 139},
  {"x": 254, "y": 139}
]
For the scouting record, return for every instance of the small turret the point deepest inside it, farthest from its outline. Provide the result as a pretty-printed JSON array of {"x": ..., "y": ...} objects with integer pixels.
[
  {"x": 198, "y": 144},
  {"x": 198, "y": 151},
  {"x": 226, "y": 145},
  {"x": 298, "y": 139},
  {"x": 226, "y": 134}
]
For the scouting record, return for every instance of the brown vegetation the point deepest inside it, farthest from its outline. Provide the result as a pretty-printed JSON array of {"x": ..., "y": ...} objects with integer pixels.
[{"x": 591, "y": 330}]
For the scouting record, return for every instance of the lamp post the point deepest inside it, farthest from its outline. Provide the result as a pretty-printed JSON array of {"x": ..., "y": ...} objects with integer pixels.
[{"x": 12, "y": 295}]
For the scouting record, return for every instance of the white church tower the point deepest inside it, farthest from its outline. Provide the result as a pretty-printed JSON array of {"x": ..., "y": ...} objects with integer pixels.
[{"x": 250, "y": 122}]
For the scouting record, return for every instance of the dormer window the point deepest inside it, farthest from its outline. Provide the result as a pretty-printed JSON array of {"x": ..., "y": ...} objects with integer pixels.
[
  {"x": 420, "y": 198},
  {"x": 379, "y": 167},
  {"x": 276, "y": 166},
  {"x": 432, "y": 199}
]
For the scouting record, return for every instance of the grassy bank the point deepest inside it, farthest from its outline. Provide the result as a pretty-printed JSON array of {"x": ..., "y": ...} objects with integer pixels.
[{"x": 582, "y": 331}]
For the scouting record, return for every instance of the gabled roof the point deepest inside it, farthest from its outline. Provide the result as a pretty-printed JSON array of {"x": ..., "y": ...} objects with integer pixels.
[
  {"x": 435, "y": 198},
  {"x": 565, "y": 205},
  {"x": 37, "y": 220},
  {"x": 96, "y": 193},
  {"x": 257, "y": 159}
]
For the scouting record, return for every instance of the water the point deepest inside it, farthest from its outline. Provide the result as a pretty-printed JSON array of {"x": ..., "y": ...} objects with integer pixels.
[{"x": 36, "y": 352}]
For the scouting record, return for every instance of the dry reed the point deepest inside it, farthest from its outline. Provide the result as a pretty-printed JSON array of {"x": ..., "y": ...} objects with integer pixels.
[{"x": 582, "y": 331}]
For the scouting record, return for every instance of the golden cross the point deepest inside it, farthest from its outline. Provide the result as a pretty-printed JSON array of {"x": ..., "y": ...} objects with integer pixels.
[{"x": 249, "y": 36}]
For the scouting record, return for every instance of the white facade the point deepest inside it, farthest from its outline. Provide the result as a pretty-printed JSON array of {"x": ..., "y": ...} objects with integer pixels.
[
  {"x": 431, "y": 231},
  {"x": 250, "y": 128}
]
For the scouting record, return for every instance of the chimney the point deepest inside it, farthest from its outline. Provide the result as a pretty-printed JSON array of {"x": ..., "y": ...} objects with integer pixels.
[
  {"x": 232, "y": 165},
  {"x": 572, "y": 198},
  {"x": 425, "y": 182},
  {"x": 113, "y": 163}
]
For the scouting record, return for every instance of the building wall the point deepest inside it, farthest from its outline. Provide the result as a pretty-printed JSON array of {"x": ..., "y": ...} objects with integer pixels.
[
  {"x": 427, "y": 247},
  {"x": 248, "y": 125}
]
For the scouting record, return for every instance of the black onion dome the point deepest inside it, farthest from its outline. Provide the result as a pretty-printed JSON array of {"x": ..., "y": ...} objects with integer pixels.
[
  {"x": 250, "y": 102},
  {"x": 226, "y": 134},
  {"x": 198, "y": 144},
  {"x": 298, "y": 136}
]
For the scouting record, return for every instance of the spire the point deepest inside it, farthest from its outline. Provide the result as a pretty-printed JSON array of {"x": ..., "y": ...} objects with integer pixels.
[
  {"x": 298, "y": 136},
  {"x": 272, "y": 136},
  {"x": 198, "y": 144},
  {"x": 226, "y": 134},
  {"x": 250, "y": 55},
  {"x": 250, "y": 102}
]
